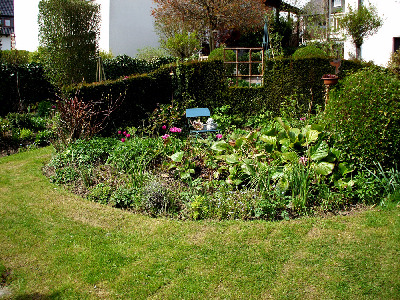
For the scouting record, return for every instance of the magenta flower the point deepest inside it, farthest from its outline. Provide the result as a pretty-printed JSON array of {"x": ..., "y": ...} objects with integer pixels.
[
  {"x": 122, "y": 140},
  {"x": 124, "y": 133},
  {"x": 119, "y": 131},
  {"x": 302, "y": 119},
  {"x": 128, "y": 135},
  {"x": 175, "y": 129},
  {"x": 164, "y": 127},
  {"x": 219, "y": 136},
  {"x": 303, "y": 160},
  {"x": 165, "y": 136}
]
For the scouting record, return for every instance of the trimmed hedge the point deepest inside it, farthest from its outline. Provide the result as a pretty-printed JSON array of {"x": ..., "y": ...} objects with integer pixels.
[
  {"x": 192, "y": 84},
  {"x": 21, "y": 86},
  {"x": 301, "y": 79},
  {"x": 124, "y": 65}
]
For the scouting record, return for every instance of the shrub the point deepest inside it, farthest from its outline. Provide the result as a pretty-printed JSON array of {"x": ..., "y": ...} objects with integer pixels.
[
  {"x": 64, "y": 175},
  {"x": 156, "y": 199},
  {"x": 124, "y": 197},
  {"x": 218, "y": 54},
  {"x": 124, "y": 65},
  {"x": 364, "y": 112},
  {"x": 394, "y": 63},
  {"x": 309, "y": 52},
  {"x": 100, "y": 193}
]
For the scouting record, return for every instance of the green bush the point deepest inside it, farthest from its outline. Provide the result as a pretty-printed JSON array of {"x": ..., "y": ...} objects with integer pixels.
[
  {"x": 309, "y": 52},
  {"x": 218, "y": 54},
  {"x": 124, "y": 197},
  {"x": 22, "y": 86},
  {"x": 100, "y": 193},
  {"x": 364, "y": 112},
  {"x": 124, "y": 65},
  {"x": 394, "y": 63}
]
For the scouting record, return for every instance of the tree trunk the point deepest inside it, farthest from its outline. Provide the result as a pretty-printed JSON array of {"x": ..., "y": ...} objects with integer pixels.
[{"x": 358, "y": 52}]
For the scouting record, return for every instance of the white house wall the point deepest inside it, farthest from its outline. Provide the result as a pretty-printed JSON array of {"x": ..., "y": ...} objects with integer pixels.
[
  {"x": 131, "y": 26},
  {"x": 378, "y": 47},
  {"x": 5, "y": 42}
]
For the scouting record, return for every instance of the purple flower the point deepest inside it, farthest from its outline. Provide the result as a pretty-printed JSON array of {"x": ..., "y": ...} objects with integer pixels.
[
  {"x": 164, "y": 127},
  {"x": 165, "y": 136},
  {"x": 219, "y": 136},
  {"x": 122, "y": 140}
]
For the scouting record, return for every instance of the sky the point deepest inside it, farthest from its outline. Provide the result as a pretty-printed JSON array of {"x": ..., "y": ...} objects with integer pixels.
[
  {"x": 25, "y": 21},
  {"x": 26, "y": 28}
]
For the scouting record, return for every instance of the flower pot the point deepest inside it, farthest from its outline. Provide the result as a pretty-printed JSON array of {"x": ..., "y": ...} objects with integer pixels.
[{"x": 331, "y": 80}]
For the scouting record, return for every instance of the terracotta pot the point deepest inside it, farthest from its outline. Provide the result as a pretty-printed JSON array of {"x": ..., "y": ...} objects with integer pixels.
[{"x": 330, "y": 80}]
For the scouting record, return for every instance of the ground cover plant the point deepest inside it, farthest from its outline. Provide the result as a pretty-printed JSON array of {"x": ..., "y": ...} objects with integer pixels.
[{"x": 58, "y": 245}]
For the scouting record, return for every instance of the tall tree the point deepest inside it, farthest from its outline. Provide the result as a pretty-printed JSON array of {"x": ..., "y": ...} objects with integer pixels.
[
  {"x": 68, "y": 37},
  {"x": 210, "y": 17},
  {"x": 360, "y": 24}
]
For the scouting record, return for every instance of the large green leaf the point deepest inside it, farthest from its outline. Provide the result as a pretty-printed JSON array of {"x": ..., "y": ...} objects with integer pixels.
[
  {"x": 345, "y": 168},
  {"x": 289, "y": 156},
  {"x": 312, "y": 136},
  {"x": 177, "y": 157},
  {"x": 232, "y": 159},
  {"x": 324, "y": 168},
  {"x": 320, "y": 152},
  {"x": 220, "y": 146},
  {"x": 268, "y": 139}
]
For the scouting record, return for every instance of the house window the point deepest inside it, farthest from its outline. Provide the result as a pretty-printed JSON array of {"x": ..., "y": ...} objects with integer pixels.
[
  {"x": 337, "y": 3},
  {"x": 7, "y": 23},
  {"x": 396, "y": 44}
]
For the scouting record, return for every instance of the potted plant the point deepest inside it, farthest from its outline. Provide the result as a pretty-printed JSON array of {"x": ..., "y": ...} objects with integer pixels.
[{"x": 330, "y": 79}]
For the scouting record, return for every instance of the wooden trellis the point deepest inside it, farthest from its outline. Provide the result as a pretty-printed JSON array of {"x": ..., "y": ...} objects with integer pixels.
[{"x": 250, "y": 62}]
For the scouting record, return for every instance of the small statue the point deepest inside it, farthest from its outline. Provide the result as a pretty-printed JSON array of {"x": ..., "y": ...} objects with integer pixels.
[{"x": 211, "y": 125}]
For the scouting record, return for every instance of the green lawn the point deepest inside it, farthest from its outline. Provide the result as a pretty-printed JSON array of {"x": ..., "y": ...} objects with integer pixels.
[{"x": 59, "y": 246}]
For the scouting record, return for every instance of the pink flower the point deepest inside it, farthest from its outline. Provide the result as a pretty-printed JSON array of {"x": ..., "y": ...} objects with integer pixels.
[
  {"x": 128, "y": 135},
  {"x": 124, "y": 133},
  {"x": 302, "y": 119},
  {"x": 303, "y": 160},
  {"x": 219, "y": 136},
  {"x": 122, "y": 140},
  {"x": 164, "y": 127},
  {"x": 165, "y": 136},
  {"x": 119, "y": 131},
  {"x": 175, "y": 129}
]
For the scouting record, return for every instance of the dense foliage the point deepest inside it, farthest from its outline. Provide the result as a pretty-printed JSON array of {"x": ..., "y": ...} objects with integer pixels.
[
  {"x": 124, "y": 65},
  {"x": 364, "y": 111},
  {"x": 68, "y": 35},
  {"x": 22, "y": 86},
  {"x": 213, "y": 19},
  {"x": 308, "y": 52}
]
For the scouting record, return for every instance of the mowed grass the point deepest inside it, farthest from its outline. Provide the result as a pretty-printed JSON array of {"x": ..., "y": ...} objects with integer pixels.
[{"x": 57, "y": 245}]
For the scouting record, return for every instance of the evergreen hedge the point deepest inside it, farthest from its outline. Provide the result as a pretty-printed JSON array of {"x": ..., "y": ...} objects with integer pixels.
[
  {"x": 21, "y": 86},
  {"x": 191, "y": 84}
]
